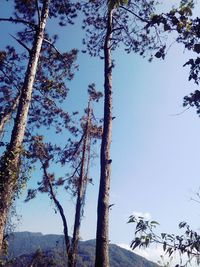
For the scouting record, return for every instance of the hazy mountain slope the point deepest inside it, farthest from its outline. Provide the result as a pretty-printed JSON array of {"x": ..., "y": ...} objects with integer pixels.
[{"x": 23, "y": 247}]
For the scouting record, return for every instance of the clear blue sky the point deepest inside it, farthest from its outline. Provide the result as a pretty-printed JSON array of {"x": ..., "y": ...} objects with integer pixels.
[{"x": 155, "y": 153}]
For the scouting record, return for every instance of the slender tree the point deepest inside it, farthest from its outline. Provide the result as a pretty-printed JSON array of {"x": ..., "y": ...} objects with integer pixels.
[
  {"x": 26, "y": 11},
  {"x": 102, "y": 236},
  {"x": 91, "y": 131},
  {"x": 81, "y": 188},
  {"x": 48, "y": 181},
  {"x": 78, "y": 155},
  {"x": 118, "y": 22},
  {"x": 10, "y": 164}
]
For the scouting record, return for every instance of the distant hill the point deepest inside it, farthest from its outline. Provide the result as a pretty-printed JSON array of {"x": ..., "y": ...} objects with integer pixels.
[{"x": 35, "y": 249}]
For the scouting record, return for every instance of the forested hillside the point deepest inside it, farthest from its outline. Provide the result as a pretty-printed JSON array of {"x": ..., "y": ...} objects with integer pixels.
[{"x": 48, "y": 250}]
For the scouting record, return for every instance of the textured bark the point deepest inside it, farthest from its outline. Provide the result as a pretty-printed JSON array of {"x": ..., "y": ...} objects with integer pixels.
[
  {"x": 80, "y": 193},
  {"x": 102, "y": 235},
  {"x": 4, "y": 118},
  {"x": 10, "y": 163}
]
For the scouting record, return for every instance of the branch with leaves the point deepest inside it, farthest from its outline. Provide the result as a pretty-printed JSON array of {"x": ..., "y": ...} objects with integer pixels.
[{"x": 187, "y": 244}]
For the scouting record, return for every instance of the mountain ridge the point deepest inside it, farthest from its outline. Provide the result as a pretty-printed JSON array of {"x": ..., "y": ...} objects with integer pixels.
[{"x": 25, "y": 247}]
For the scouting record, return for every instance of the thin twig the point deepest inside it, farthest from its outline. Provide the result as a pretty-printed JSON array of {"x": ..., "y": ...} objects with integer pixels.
[
  {"x": 177, "y": 114},
  {"x": 21, "y": 43},
  {"x": 73, "y": 174},
  {"x": 48, "y": 42},
  {"x": 134, "y": 14}
]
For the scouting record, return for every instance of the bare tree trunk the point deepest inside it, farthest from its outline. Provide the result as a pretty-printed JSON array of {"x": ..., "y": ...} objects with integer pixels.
[
  {"x": 4, "y": 118},
  {"x": 81, "y": 193},
  {"x": 65, "y": 227},
  {"x": 10, "y": 163},
  {"x": 102, "y": 235},
  {"x": 61, "y": 211}
]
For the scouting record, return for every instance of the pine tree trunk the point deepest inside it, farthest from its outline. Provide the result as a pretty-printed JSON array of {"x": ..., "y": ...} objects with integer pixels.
[
  {"x": 102, "y": 235},
  {"x": 5, "y": 117},
  {"x": 81, "y": 194},
  {"x": 10, "y": 163}
]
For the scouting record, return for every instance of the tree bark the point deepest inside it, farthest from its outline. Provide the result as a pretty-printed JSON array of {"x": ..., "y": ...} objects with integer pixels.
[
  {"x": 10, "y": 163},
  {"x": 81, "y": 193},
  {"x": 102, "y": 235}
]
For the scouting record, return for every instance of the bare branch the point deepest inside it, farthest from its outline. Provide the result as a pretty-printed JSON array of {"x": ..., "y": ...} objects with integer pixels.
[
  {"x": 117, "y": 29},
  {"x": 51, "y": 44},
  {"x": 134, "y": 14},
  {"x": 177, "y": 114},
  {"x": 19, "y": 21},
  {"x": 21, "y": 43},
  {"x": 58, "y": 206}
]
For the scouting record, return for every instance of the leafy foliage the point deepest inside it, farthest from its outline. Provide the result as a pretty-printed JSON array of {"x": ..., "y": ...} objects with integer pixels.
[
  {"x": 65, "y": 10},
  {"x": 50, "y": 88},
  {"x": 182, "y": 22},
  {"x": 186, "y": 244},
  {"x": 71, "y": 154},
  {"x": 129, "y": 21},
  {"x": 193, "y": 100}
]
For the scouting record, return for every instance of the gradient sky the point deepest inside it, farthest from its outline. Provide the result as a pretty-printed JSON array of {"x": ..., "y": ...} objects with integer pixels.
[{"x": 155, "y": 152}]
